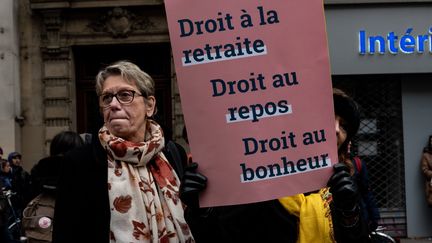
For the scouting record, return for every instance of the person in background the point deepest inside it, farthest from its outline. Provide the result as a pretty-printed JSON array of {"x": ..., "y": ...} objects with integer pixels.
[
  {"x": 21, "y": 182},
  {"x": 38, "y": 215},
  {"x": 15, "y": 159},
  {"x": 8, "y": 212},
  {"x": 121, "y": 188},
  {"x": 426, "y": 168},
  {"x": 4, "y": 236},
  {"x": 331, "y": 214},
  {"x": 45, "y": 174},
  {"x": 6, "y": 174},
  {"x": 1, "y": 153}
]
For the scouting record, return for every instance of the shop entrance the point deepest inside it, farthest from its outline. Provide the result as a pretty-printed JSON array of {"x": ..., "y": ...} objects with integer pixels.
[{"x": 152, "y": 58}]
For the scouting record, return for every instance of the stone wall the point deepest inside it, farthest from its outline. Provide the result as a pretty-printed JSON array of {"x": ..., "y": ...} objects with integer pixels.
[
  {"x": 10, "y": 106},
  {"x": 50, "y": 30}
]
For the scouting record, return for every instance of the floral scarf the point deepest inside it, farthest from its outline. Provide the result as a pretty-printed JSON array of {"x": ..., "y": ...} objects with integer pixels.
[{"x": 143, "y": 190}]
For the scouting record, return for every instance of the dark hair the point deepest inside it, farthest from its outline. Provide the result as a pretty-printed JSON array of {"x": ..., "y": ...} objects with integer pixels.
[
  {"x": 3, "y": 163},
  {"x": 13, "y": 155},
  {"x": 428, "y": 147},
  {"x": 347, "y": 108},
  {"x": 65, "y": 141}
]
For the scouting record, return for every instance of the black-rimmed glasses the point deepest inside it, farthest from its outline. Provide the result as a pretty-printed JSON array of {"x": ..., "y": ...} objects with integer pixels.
[{"x": 123, "y": 97}]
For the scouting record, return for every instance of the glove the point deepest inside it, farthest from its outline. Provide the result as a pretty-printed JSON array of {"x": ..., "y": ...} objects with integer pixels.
[
  {"x": 192, "y": 184},
  {"x": 344, "y": 189},
  {"x": 373, "y": 225}
]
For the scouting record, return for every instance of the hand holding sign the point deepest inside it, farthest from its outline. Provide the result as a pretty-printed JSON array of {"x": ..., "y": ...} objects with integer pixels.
[{"x": 255, "y": 94}]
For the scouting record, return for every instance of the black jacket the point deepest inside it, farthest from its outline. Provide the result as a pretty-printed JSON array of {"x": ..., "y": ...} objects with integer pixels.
[
  {"x": 82, "y": 212},
  {"x": 44, "y": 175},
  {"x": 21, "y": 184},
  {"x": 258, "y": 222}
]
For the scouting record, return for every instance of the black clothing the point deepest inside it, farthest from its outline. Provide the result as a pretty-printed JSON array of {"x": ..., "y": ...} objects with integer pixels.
[
  {"x": 256, "y": 222},
  {"x": 3, "y": 206},
  {"x": 21, "y": 185},
  {"x": 259, "y": 222},
  {"x": 84, "y": 177},
  {"x": 269, "y": 221},
  {"x": 45, "y": 174},
  {"x": 368, "y": 205}
]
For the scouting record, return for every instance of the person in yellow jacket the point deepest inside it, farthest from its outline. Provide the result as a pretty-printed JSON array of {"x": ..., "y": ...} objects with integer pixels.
[{"x": 314, "y": 210}]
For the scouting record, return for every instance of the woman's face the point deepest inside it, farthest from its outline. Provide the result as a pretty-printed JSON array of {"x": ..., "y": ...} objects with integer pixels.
[
  {"x": 6, "y": 167},
  {"x": 341, "y": 133},
  {"x": 127, "y": 121}
]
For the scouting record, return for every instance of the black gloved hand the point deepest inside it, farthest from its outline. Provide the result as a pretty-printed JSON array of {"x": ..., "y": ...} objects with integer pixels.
[
  {"x": 373, "y": 226},
  {"x": 191, "y": 185},
  {"x": 344, "y": 189}
]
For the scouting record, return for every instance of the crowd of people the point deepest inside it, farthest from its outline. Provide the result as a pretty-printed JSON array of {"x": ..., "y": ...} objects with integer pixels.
[
  {"x": 15, "y": 193},
  {"x": 128, "y": 183},
  {"x": 20, "y": 188}
]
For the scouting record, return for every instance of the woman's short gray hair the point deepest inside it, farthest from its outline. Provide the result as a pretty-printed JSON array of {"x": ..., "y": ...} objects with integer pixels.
[{"x": 131, "y": 73}]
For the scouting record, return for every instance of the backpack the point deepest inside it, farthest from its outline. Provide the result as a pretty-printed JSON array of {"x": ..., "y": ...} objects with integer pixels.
[
  {"x": 368, "y": 205},
  {"x": 38, "y": 217}
]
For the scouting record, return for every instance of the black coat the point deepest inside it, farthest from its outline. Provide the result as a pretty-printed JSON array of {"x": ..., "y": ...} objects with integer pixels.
[
  {"x": 258, "y": 222},
  {"x": 44, "y": 175},
  {"x": 82, "y": 212},
  {"x": 21, "y": 184}
]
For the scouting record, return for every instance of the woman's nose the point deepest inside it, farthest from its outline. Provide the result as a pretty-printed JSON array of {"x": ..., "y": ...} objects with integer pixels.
[{"x": 115, "y": 103}]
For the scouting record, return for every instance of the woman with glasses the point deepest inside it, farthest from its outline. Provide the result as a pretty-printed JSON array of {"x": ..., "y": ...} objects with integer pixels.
[{"x": 121, "y": 188}]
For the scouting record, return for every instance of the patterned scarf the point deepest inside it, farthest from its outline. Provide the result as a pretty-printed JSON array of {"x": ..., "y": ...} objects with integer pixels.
[{"x": 143, "y": 190}]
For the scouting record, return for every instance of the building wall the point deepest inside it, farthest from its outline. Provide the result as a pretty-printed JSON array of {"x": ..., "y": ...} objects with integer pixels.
[
  {"x": 49, "y": 32},
  {"x": 33, "y": 146},
  {"x": 343, "y": 26},
  {"x": 10, "y": 102},
  {"x": 417, "y": 120}
]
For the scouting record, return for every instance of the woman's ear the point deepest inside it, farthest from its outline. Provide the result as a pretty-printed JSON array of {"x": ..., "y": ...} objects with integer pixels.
[{"x": 150, "y": 105}]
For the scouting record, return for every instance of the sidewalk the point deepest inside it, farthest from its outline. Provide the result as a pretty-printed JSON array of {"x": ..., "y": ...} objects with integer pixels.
[{"x": 416, "y": 240}]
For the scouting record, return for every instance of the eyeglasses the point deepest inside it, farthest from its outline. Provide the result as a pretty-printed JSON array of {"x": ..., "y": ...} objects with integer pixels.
[{"x": 123, "y": 97}]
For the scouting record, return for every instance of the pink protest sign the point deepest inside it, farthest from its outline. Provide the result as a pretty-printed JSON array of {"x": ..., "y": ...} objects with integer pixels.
[{"x": 255, "y": 87}]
